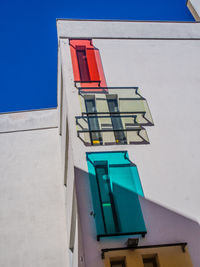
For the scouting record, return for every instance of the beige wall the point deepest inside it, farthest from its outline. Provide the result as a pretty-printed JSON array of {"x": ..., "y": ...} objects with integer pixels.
[{"x": 32, "y": 212}]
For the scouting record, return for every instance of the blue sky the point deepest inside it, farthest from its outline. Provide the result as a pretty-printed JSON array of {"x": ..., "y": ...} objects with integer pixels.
[{"x": 28, "y": 41}]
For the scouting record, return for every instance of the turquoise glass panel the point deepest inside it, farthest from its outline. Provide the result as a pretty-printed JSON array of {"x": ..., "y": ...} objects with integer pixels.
[{"x": 115, "y": 186}]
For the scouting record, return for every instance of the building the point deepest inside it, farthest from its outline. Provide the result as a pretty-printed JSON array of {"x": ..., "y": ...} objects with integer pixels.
[{"x": 110, "y": 177}]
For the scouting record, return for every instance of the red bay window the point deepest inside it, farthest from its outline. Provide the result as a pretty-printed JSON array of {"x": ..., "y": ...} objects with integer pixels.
[{"x": 86, "y": 62}]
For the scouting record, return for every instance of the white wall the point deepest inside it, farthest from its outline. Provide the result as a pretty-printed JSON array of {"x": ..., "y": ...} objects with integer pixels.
[
  {"x": 32, "y": 211},
  {"x": 126, "y": 29},
  {"x": 163, "y": 59},
  {"x": 163, "y": 226},
  {"x": 167, "y": 73},
  {"x": 26, "y": 120}
]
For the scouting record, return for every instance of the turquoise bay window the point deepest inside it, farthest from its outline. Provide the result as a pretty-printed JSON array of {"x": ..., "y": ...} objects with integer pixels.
[{"x": 115, "y": 186}]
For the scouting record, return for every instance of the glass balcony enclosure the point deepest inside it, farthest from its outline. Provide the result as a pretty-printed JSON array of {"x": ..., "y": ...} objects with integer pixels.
[
  {"x": 115, "y": 186},
  {"x": 113, "y": 116}
]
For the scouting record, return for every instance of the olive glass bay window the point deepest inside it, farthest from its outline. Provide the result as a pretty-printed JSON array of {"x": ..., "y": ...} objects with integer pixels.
[
  {"x": 115, "y": 186},
  {"x": 117, "y": 116}
]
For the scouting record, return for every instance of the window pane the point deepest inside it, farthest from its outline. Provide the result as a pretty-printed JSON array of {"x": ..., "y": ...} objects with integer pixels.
[
  {"x": 82, "y": 63},
  {"x": 150, "y": 262},
  {"x": 117, "y": 265},
  {"x": 116, "y": 121},
  {"x": 106, "y": 199},
  {"x": 120, "y": 263},
  {"x": 93, "y": 122}
]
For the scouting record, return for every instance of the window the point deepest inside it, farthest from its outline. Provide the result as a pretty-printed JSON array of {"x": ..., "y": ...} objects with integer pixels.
[
  {"x": 106, "y": 197},
  {"x": 93, "y": 122},
  {"x": 119, "y": 263},
  {"x": 86, "y": 62},
  {"x": 115, "y": 186},
  {"x": 82, "y": 63},
  {"x": 150, "y": 262},
  {"x": 116, "y": 121}
]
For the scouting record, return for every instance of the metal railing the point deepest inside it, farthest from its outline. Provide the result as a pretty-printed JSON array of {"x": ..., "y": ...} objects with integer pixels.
[
  {"x": 121, "y": 126},
  {"x": 105, "y": 90},
  {"x": 82, "y": 82},
  {"x": 143, "y": 233},
  {"x": 182, "y": 245},
  {"x": 106, "y": 133},
  {"x": 123, "y": 114}
]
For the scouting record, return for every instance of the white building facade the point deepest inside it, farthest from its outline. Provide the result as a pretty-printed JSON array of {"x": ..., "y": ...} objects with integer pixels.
[
  {"x": 111, "y": 177},
  {"x": 160, "y": 60}
]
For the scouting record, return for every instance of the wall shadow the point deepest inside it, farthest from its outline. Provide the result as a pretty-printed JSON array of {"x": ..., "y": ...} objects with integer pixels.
[{"x": 163, "y": 225}]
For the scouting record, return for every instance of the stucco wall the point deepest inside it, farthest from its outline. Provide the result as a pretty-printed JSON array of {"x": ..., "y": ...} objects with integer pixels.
[
  {"x": 32, "y": 211},
  {"x": 126, "y": 29},
  {"x": 167, "y": 74},
  {"x": 22, "y": 121},
  {"x": 163, "y": 226},
  {"x": 163, "y": 60}
]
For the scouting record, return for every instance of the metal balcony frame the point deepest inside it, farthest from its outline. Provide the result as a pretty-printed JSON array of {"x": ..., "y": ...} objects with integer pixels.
[
  {"x": 104, "y": 90},
  {"x": 95, "y": 115},
  {"x": 116, "y": 130},
  {"x": 133, "y": 114},
  {"x": 122, "y": 234},
  {"x": 182, "y": 245},
  {"x": 91, "y": 81}
]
